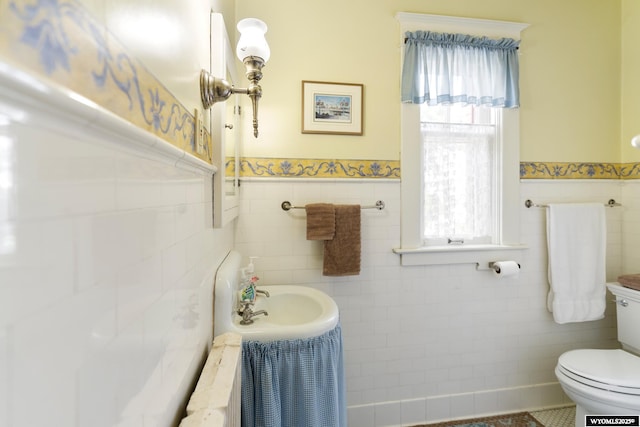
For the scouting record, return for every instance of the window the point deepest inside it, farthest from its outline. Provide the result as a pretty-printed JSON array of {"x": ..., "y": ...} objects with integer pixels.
[
  {"x": 459, "y": 163},
  {"x": 460, "y": 169}
]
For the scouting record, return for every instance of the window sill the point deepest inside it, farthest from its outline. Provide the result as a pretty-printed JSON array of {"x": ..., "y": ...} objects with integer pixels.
[{"x": 470, "y": 254}]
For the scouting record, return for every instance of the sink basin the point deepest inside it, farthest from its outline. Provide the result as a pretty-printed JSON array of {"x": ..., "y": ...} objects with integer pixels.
[{"x": 295, "y": 311}]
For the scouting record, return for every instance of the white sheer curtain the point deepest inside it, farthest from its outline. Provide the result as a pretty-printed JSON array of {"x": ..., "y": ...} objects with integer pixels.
[{"x": 458, "y": 184}]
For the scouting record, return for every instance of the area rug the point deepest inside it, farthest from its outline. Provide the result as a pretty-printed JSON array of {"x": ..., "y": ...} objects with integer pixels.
[{"x": 520, "y": 419}]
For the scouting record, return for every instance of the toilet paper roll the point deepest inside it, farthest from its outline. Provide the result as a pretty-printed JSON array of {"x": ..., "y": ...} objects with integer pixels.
[{"x": 506, "y": 269}]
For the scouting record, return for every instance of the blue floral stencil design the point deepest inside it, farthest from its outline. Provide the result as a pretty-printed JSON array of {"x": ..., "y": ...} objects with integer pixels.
[
  {"x": 630, "y": 171},
  {"x": 43, "y": 31},
  {"x": 568, "y": 170},
  {"x": 320, "y": 168},
  {"x": 49, "y": 27},
  {"x": 375, "y": 170}
]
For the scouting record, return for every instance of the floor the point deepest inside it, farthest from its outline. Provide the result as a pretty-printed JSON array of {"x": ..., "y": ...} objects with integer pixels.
[{"x": 560, "y": 417}]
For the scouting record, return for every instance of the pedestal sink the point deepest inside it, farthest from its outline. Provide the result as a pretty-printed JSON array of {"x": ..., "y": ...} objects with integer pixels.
[
  {"x": 299, "y": 343},
  {"x": 295, "y": 311}
]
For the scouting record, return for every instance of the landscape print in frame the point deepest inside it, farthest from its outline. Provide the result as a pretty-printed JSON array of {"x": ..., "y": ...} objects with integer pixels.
[{"x": 332, "y": 108}]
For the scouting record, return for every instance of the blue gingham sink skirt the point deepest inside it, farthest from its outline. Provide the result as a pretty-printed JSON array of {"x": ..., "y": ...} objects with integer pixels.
[{"x": 294, "y": 383}]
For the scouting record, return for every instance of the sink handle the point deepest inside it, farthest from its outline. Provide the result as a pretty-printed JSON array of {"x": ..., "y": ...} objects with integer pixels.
[
  {"x": 244, "y": 306},
  {"x": 248, "y": 315}
]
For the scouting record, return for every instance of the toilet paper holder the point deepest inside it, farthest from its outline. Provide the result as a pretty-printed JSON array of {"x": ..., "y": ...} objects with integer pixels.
[{"x": 491, "y": 266}]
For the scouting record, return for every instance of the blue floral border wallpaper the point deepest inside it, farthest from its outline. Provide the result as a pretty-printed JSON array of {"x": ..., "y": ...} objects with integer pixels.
[
  {"x": 61, "y": 41},
  {"x": 568, "y": 170}
]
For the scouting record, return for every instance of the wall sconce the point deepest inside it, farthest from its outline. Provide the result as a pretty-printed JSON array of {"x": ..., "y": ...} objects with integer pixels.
[
  {"x": 635, "y": 142},
  {"x": 254, "y": 53}
]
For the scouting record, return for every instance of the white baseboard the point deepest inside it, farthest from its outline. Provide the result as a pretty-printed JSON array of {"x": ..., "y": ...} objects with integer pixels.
[{"x": 410, "y": 412}]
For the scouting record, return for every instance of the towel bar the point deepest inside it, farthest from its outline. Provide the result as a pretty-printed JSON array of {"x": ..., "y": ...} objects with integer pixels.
[
  {"x": 529, "y": 204},
  {"x": 286, "y": 205}
]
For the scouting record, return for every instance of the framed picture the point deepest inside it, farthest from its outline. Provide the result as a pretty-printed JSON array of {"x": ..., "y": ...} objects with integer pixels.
[{"x": 332, "y": 108}]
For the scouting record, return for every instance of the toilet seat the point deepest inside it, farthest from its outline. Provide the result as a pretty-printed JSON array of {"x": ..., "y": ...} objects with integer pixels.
[{"x": 612, "y": 370}]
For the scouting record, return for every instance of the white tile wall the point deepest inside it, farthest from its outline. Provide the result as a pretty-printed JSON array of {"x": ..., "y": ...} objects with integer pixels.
[
  {"x": 430, "y": 343},
  {"x": 107, "y": 260}
]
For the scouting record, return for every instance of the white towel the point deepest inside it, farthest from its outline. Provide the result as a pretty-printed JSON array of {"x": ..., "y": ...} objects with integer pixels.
[{"x": 576, "y": 240}]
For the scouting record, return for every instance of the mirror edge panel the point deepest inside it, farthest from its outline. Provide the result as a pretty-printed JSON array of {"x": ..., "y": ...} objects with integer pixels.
[{"x": 224, "y": 129}]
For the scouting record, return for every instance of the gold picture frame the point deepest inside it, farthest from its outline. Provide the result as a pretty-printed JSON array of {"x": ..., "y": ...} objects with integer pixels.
[{"x": 332, "y": 108}]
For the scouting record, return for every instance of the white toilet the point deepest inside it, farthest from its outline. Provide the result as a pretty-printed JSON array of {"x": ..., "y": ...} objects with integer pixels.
[{"x": 607, "y": 382}]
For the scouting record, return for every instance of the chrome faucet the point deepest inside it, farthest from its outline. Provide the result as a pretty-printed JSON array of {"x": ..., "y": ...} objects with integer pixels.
[
  {"x": 260, "y": 291},
  {"x": 248, "y": 314}
]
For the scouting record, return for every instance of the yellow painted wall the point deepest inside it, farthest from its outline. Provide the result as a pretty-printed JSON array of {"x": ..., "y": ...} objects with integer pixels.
[
  {"x": 170, "y": 38},
  {"x": 630, "y": 78},
  {"x": 570, "y": 68},
  {"x": 355, "y": 41}
]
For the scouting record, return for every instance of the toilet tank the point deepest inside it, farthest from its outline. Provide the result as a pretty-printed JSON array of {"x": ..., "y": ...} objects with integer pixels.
[{"x": 628, "y": 314}]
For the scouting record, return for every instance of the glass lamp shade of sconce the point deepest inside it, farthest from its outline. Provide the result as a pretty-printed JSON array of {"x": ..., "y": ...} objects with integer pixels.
[
  {"x": 635, "y": 142},
  {"x": 252, "y": 41},
  {"x": 253, "y": 51}
]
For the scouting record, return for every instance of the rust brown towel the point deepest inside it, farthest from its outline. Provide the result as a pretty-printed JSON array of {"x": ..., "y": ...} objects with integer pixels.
[
  {"x": 630, "y": 281},
  {"x": 321, "y": 221},
  {"x": 342, "y": 253}
]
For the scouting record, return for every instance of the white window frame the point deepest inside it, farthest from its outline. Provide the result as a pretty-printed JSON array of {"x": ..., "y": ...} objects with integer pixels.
[{"x": 412, "y": 250}]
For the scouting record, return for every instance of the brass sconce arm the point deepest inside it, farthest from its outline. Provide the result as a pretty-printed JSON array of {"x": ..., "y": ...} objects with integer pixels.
[
  {"x": 254, "y": 66},
  {"x": 254, "y": 53},
  {"x": 213, "y": 89}
]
